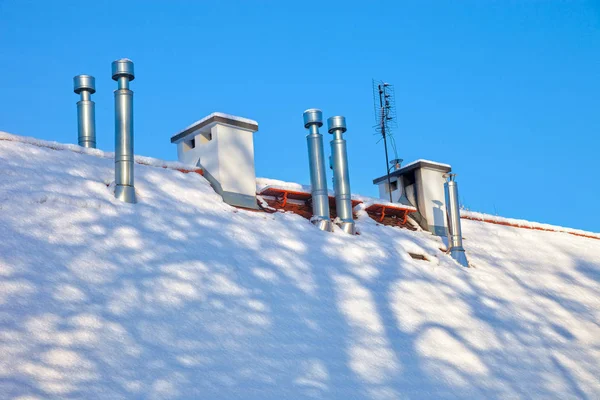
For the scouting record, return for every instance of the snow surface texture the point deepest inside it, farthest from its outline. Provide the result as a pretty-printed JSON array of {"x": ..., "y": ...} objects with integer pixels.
[
  {"x": 525, "y": 224},
  {"x": 153, "y": 162},
  {"x": 183, "y": 296}
]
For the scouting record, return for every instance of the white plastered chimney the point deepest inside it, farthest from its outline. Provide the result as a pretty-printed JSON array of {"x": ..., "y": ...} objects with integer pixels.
[{"x": 223, "y": 146}]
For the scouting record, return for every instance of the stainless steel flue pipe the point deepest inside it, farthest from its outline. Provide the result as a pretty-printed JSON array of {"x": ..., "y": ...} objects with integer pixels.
[
  {"x": 122, "y": 72},
  {"x": 453, "y": 216},
  {"x": 341, "y": 177},
  {"x": 85, "y": 86},
  {"x": 313, "y": 120}
]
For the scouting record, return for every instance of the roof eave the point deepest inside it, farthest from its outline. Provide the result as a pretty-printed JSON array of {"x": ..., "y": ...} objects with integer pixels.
[{"x": 415, "y": 165}]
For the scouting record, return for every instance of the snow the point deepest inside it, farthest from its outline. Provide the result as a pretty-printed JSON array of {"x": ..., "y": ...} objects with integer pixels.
[
  {"x": 427, "y": 161},
  {"x": 264, "y": 183},
  {"x": 368, "y": 201},
  {"x": 183, "y": 296},
  {"x": 525, "y": 224},
  {"x": 219, "y": 114},
  {"x": 153, "y": 162}
]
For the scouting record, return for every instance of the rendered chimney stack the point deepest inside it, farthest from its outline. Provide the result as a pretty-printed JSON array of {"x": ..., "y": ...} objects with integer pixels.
[
  {"x": 341, "y": 178},
  {"x": 85, "y": 86},
  {"x": 453, "y": 213},
  {"x": 122, "y": 72},
  {"x": 313, "y": 120}
]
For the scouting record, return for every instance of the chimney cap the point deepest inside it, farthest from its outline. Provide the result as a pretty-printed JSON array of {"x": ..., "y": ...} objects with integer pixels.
[
  {"x": 122, "y": 67},
  {"x": 84, "y": 82},
  {"x": 396, "y": 163},
  {"x": 336, "y": 123},
  {"x": 449, "y": 176},
  {"x": 313, "y": 116}
]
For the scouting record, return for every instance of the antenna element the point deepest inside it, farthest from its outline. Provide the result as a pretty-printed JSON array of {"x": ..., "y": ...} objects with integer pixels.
[{"x": 384, "y": 103}]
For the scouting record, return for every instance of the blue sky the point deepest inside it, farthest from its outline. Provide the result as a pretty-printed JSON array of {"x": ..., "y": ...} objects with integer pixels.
[{"x": 507, "y": 92}]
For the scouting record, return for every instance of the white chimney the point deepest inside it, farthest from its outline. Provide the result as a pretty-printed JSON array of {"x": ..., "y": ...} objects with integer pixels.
[
  {"x": 420, "y": 184},
  {"x": 223, "y": 146}
]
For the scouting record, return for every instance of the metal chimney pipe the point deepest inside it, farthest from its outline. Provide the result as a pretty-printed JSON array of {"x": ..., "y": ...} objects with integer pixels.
[
  {"x": 122, "y": 72},
  {"x": 85, "y": 86},
  {"x": 313, "y": 120},
  {"x": 341, "y": 178},
  {"x": 453, "y": 215}
]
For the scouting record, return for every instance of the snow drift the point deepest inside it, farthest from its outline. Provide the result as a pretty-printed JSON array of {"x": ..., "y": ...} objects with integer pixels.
[{"x": 183, "y": 296}]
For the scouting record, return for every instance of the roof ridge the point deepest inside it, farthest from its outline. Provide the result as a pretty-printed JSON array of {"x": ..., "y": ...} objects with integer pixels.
[
  {"x": 522, "y": 223},
  {"x": 142, "y": 160}
]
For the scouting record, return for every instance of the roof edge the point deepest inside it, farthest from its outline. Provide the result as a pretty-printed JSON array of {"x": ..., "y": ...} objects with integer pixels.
[{"x": 415, "y": 165}]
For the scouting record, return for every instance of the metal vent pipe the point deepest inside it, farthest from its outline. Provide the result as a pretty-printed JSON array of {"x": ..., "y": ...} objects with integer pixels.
[
  {"x": 85, "y": 86},
  {"x": 341, "y": 178},
  {"x": 122, "y": 72},
  {"x": 313, "y": 120},
  {"x": 453, "y": 215}
]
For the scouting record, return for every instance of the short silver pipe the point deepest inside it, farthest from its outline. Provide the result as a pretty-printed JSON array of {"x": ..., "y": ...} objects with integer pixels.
[
  {"x": 122, "y": 72},
  {"x": 396, "y": 164},
  {"x": 313, "y": 120},
  {"x": 453, "y": 216},
  {"x": 85, "y": 86},
  {"x": 341, "y": 177}
]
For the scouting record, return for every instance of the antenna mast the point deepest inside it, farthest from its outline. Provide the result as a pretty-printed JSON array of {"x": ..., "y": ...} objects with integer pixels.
[{"x": 384, "y": 101}]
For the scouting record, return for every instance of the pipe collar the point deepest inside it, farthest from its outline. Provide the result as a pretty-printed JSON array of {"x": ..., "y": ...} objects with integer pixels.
[
  {"x": 449, "y": 176},
  {"x": 336, "y": 123},
  {"x": 84, "y": 82},
  {"x": 313, "y": 116},
  {"x": 122, "y": 67}
]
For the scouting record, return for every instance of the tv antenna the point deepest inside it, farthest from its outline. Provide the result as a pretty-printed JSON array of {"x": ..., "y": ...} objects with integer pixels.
[{"x": 384, "y": 103}]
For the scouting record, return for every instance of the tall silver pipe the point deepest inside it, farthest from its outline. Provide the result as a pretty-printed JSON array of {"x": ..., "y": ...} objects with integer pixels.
[
  {"x": 453, "y": 215},
  {"x": 313, "y": 120},
  {"x": 341, "y": 177},
  {"x": 85, "y": 86},
  {"x": 122, "y": 72}
]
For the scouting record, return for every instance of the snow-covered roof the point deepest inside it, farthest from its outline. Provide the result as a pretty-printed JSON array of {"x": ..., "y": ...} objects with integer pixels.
[
  {"x": 183, "y": 296},
  {"x": 152, "y": 162},
  {"x": 263, "y": 183},
  {"x": 521, "y": 223}
]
